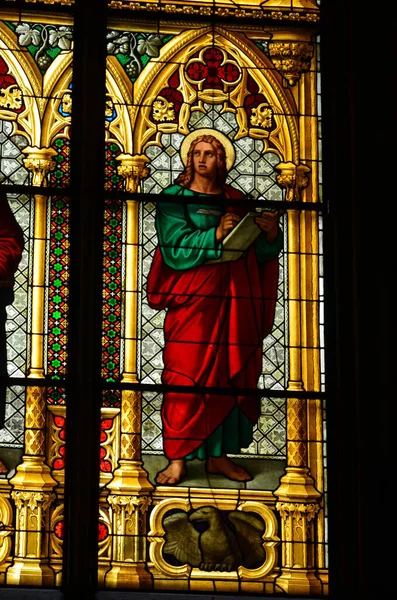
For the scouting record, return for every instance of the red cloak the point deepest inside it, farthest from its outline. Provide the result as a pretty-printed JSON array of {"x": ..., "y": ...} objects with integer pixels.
[
  {"x": 217, "y": 318},
  {"x": 11, "y": 243}
]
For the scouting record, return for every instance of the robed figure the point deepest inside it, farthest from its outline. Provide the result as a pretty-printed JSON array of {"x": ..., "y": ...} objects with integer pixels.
[
  {"x": 11, "y": 246},
  {"x": 217, "y": 313}
]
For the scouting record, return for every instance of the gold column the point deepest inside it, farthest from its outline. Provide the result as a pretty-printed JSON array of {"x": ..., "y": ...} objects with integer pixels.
[
  {"x": 297, "y": 495},
  {"x": 310, "y": 295},
  {"x": 33, "y": 484},
  {"x": 129, "y": 496}
]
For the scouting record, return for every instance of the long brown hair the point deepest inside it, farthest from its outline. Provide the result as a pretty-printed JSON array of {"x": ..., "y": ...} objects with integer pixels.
[{"x": 186, "y": 177}]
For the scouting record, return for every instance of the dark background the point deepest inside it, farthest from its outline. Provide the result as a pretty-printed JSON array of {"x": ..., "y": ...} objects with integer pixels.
[
  {"x": 359, "y": 107},
  {"x": 358, "y": 57}
]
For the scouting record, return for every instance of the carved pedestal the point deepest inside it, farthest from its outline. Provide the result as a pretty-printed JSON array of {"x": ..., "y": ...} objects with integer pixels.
[{"x": 129, "y": 500}]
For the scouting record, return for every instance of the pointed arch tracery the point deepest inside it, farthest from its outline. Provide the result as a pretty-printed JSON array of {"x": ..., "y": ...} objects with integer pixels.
[
  {"x": 27, "y": 76},
  {"x": 42, "y": 118},
  {"x": 56, "y": 119},
  {"x": 119, "y": 91},
  {"x": 257, "y": 78}
]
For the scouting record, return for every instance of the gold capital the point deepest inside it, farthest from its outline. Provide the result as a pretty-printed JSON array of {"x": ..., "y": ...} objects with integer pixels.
[
  {"x": 293, "y": 178},
  {"x": 133, "y": 169},
  {"x": 291, "y": 59},
  {"x": 39, "y": 162}
]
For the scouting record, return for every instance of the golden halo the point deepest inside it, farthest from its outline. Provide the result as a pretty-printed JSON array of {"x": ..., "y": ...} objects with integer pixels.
[{"x": 221, "y": 137}]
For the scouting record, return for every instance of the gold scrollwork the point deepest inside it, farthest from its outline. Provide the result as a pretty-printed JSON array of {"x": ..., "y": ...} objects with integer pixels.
[
  {"x": 11, "y": 97},
  {"x": 262, "y": 116},
  {"x": 201, "y": 8},
  {"x": 270, "y": 541},
  {"x": 156, "y": 538},
  {"x": 129, "y": 504},
  {"x": 54, "y": 441},
  {"x": 66, "y": 103},
  {"x": 297, "y": 510},
  {"x": 34, "y": 501},
  {"x": 163, "y": 109}
]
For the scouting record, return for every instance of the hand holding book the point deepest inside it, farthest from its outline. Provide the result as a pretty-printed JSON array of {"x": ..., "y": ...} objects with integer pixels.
[
  {"x": 227, "y": 224},
  {"x": 268, "y": 222},
  {"x": 238, "y": 234}
]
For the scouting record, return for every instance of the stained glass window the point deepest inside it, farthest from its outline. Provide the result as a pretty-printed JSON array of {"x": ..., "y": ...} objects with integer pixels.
[
  {"x": 211, "y": 449},
  {"x": 211, "y": 452},
  {"x": 96, "y": 233}
]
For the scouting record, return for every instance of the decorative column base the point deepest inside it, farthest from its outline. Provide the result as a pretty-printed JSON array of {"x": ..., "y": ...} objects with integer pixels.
[
  {"x": 33, "y": 475},
  {"x": 300, "y": 582},
  {"x": 298, "y": 505},
  {"x": 32, "y": 494},
  {"x": 129, "y": 499},
  {"x": 31, "y": 571},
  {"x": 130, "y": 478},
  {"x": 297, "y": 485},
  {"x": 127, "y": 575}
]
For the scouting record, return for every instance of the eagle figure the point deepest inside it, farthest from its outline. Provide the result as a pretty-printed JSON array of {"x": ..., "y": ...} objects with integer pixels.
[{"x": 209, "y": 540}]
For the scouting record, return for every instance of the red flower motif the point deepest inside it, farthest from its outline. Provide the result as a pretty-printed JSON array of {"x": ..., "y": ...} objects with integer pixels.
[
  {"x": 59, "y": 421},
  {"x": 213, "y": 57},
  {"x": 103, "y": 532},
  {"x": 197, "y": 71},
  {"x": 59, "y": 530},
  {"x": 228, "y": 72},
  {"x": 212, "y": 71},
  {"x": 105, "y": 466}
]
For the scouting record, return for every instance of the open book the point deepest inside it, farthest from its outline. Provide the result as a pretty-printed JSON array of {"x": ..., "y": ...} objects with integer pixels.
[{"x": 239, "y": 239}]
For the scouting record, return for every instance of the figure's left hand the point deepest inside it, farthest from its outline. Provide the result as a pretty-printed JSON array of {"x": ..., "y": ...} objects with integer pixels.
[{"x": 268, "y": 222}]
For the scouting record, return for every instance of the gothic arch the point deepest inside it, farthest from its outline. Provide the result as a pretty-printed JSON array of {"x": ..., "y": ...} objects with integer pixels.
[
  {"x": 56, "y": 88},
  {"x": 119, "y": 89},
  {"x": 28, "y": 79},
  {"x": 40, "y": 121},
  {"x": 175, "y": 56}
]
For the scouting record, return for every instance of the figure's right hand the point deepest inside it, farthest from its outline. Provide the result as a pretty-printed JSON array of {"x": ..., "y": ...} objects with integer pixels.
[{"x": 227, "y": 223}]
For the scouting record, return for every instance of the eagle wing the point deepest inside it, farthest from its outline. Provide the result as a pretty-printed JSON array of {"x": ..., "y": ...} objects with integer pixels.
[
  {"x": 249, "y": 532},
  {"x": 182, "y": 539}
]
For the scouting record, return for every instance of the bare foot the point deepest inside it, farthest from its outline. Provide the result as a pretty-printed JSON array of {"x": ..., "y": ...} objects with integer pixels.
[
  {"x": 224, "y": 466},
  {"x": 173, "y": 473}
]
